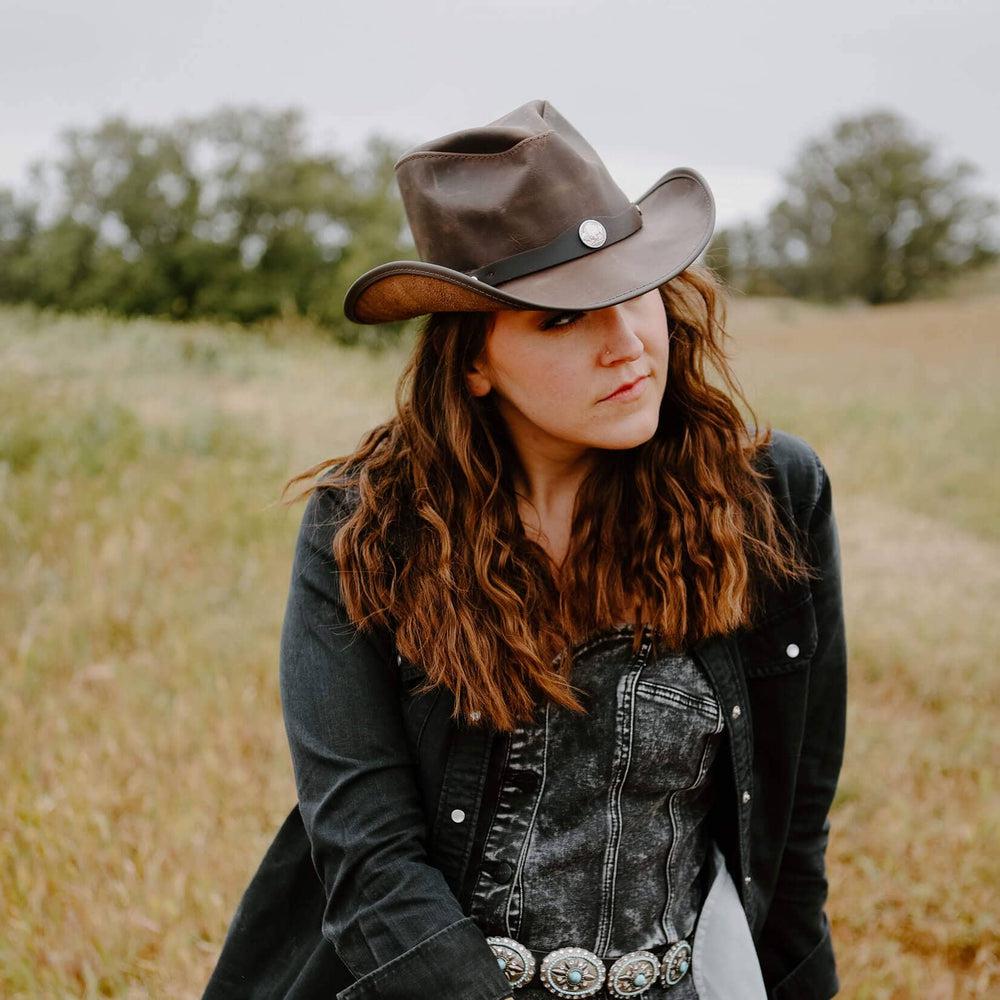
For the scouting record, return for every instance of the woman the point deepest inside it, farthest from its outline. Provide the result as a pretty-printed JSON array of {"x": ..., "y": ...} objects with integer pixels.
[{"x": 563, "y": 666}]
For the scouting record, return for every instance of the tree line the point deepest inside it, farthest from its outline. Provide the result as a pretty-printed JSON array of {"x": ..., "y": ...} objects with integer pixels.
[
  {"x": 230, "y": 216},
  {"x": 867, "y": 214}
]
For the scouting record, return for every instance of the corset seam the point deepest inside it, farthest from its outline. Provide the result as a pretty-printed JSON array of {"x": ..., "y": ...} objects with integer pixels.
[
  {"x": 517, "y": 883},
  {"x": 616, "y": 823}
]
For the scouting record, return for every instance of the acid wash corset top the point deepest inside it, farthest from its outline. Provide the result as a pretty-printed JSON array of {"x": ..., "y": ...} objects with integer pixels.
[{"x": 599, "y": 834}]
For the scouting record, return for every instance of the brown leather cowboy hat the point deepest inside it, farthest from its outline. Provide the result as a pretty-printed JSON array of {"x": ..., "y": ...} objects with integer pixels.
[{"x": 522, "y": 214}]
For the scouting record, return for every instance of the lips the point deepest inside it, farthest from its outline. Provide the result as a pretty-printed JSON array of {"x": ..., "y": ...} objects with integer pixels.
[{"x": 623, "y": 387}]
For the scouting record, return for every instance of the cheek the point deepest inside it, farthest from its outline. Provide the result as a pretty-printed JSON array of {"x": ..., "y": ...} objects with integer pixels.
[
  {"x": 538, "y": 379},
  {"x": 657, "y": 326},
  {"x": 660, "y": 342}
]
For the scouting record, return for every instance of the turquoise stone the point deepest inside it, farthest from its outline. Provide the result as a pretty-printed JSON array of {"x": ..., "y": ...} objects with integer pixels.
[
  {"x": 502, "y": 962},
  {"x": 574, "y": 976},
  {"x": 640, "y": 979},
  {"x": 684, "y": 965}
]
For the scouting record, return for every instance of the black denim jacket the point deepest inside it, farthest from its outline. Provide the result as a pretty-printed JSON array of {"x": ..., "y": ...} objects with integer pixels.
[{"x": 364, "y": 893}]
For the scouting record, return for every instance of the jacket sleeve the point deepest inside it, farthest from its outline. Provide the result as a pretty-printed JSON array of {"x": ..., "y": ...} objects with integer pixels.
[
  {"x": 796, "y": 947},
  {"x": 390, "y": 915}
]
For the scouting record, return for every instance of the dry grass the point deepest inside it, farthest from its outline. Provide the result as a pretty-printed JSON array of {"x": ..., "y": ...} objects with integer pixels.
[{"x": 145, "y": 568}]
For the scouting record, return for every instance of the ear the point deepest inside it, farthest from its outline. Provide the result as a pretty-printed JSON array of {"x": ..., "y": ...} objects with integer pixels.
[{"x": 477, "y": 380}]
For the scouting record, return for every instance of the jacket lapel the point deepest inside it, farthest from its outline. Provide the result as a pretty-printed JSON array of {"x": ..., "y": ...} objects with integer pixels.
[
  {"x": 719, "y": 656},
  {"x": 462, "y": 789}
]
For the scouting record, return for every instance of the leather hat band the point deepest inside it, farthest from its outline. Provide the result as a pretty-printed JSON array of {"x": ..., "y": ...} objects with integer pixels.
[{"x": 577, "y": 241}]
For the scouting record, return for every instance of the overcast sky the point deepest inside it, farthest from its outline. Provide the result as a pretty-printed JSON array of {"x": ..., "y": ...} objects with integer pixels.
[{"x": 731, "y": 88}]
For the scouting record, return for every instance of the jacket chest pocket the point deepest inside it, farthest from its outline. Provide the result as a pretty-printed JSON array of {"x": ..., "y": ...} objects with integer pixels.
[{"x": 784, "y": 642}]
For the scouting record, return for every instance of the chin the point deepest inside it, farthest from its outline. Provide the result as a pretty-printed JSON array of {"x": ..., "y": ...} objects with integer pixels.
[
  {"x": 630, "y": 437},
  {"x": 634, "y": 432}
]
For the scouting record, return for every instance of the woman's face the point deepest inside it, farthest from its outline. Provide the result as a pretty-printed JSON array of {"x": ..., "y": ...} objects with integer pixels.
[{"x": 553, "y": 373}]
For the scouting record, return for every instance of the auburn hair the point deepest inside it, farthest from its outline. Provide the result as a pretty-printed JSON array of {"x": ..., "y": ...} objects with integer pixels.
[{"x": 675, "y": 535}]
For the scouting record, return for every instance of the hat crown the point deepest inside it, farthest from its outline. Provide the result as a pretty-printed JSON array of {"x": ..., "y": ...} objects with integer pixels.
[{"x": 488, "y": 192}]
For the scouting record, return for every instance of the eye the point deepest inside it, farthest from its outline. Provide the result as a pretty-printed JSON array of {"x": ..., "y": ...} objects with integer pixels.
[{"x": 553, "y": 321}]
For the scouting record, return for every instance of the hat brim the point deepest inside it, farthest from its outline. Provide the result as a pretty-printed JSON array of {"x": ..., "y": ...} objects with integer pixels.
[{"x": 678, "y": 219}]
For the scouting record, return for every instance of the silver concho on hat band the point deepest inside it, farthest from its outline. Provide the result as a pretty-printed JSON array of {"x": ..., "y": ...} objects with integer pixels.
[
  {"x": 592, "y": 233},
  {"x": 578, "y": 972}
]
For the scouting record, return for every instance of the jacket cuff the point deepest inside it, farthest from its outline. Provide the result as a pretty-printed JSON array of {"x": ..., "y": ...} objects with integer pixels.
[
  {"x": 815, "y": 977},
  {"x": 454, "y": 962}
]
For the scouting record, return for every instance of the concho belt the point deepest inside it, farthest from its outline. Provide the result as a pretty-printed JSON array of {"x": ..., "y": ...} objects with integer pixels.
[{"x": 577, "y": 972}]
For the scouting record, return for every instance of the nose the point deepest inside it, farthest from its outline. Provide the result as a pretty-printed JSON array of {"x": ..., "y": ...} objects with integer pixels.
[{"x": 619, "y": 339}]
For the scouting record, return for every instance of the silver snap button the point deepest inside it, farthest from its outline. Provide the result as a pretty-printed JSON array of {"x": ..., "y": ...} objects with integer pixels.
[
  {"x": 457, "y": 815},
  {"x": 746, "y": 879},
  {"x": 736, "y": 711},
  {"x": 746, "y": 796},
  {"x": 592, "y": 233},
  {"x": 791, "y": 649}
]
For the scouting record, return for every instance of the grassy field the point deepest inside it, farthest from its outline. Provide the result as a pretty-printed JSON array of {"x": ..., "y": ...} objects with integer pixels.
[{"x": 145, "y": 561}]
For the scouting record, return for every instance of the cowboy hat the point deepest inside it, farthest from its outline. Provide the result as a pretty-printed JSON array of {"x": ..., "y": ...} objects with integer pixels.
[{"x": 522, "y": 214}]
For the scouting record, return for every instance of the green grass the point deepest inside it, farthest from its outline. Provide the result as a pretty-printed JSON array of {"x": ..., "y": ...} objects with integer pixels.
[{"x": 145, "y": 564}]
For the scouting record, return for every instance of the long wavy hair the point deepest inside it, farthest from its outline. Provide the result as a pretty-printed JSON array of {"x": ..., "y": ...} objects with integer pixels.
[{"x": 675, "y": 535}]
